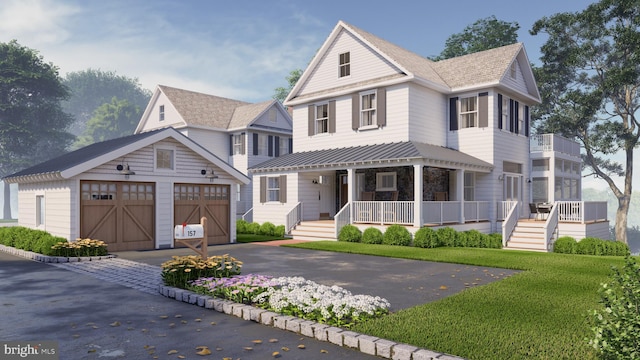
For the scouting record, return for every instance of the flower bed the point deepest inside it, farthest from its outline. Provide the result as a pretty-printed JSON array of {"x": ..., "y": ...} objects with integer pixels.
[{"x": 297, "y": 297}]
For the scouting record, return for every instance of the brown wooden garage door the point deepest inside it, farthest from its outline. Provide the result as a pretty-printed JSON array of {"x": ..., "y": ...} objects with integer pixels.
[
  {"x": 193, "y": 201},
  {"x": 119, "y": 213}
]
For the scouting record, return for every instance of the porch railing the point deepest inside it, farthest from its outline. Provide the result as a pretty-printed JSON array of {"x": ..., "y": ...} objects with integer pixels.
[
  {"x": 550, "y": 226},
  {"x": 504, "y": 207},
  {"x": 441, "y": 212},
  {"x": 293, "y": 217},
  {"x": 582, "y": 211},
  {"x": 476, "y": 211},
  {"x": 554, "y": 142},
  {"x": 383, "y": 212},
  {"x": 342, "y": 218},
  {"x": 510, "y": 220},
  {"x": 248, "y": 216}
]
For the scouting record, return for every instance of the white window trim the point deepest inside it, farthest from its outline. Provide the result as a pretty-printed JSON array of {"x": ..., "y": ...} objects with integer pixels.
[
  {"x": 463, "y": 123},
  {"x": 161, "y": 113},
  {"x": 41, "y": 209},
  {"x": 506, "y": 122},
  {"x": 345, "y": 65},
  {"x": 270, "y": 189},
  {"x": 373, "y": 109},
  {"x": 237, "y": 144},
  {"x": 381, "y": 175},
  {"x": 155, "y": 158},
  {"x": 316, "y": 119}
]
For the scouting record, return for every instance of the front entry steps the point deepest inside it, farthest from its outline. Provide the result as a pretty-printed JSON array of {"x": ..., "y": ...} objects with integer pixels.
[
  {"x": 528, "y": 235},
  {"x": 314, "y": 230}
]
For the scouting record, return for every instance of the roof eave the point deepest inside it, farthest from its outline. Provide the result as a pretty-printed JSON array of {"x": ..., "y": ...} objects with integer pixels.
[{"x": 34, "y": 178}]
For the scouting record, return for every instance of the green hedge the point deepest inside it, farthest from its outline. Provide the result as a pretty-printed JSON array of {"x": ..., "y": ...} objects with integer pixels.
[
  {"x": 372, "y": 235},
  {"x": 42, "y": 242},
  {"x": 350, "y": 233},
  {"x": 397, "y": 235}
]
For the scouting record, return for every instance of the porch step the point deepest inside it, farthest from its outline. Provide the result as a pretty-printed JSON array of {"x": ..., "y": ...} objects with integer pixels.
[
  {"x": 527, "y": 235},
  {"x": 314, "y": 230}
]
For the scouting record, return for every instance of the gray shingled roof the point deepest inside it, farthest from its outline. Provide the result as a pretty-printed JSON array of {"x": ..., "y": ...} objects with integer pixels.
[
  {"x": 244, "y": 114},
  {"x": 81, "y": 155},
  {"x": 360, "y": 155},
  {"x": 203, "y": 109}
]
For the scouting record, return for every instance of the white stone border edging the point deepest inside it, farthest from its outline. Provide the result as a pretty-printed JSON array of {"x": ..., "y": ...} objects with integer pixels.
[
  {"x": 50, "y": 259},
  {"x": 364, "y": 343}
]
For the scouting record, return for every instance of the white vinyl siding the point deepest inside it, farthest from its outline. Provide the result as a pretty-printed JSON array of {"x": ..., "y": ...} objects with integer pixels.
[
  {"x": 395, "y": 130},
  {"x": 58, "y": 197},
  {"x": 276, "y": 212},
  {"x": 427, "y": 111},
  {"x": 364, "y": 63}
]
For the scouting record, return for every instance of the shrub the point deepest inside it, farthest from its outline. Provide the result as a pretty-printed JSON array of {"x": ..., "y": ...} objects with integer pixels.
[
  {"x": 181, "y": 270},
  {"x": 46, "y": 243},
  {"x": 397, "y": 235},
  {"x": 267, "y": 228},
  {"x": 446, "y": 236},
  {"x": 565, "y": 245},
  {"x": 350, "y": 233},
  {"x": 474, "y": 238},
  {"x": 279, "y": 231},
  {"x": 425, "y": 238},
  {"x": 241, "y": 226},
  {"x": 495, "y": 241},
  {"x": 616, "y": 326},
  {"x": 253, "y": 228},
  {"x": 621, "y": 249},
  {"x": 590, "y": 246},
  {"x": 372, "y": 235}
]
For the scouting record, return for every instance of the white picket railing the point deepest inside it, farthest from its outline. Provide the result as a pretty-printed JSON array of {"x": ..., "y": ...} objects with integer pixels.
[
  {"x": 383, "y": 212},
  {"x": 551, "y": 226},
  {"x": 510, "y": 221},
  {"x": 293, "y": 217},
  {"x": 441, "y": 212},
  {"x": 554, "y": 142},
  {"x": 582, "y": 211},
  {"x": 476, "y": 211},
  {"x": 504, "y": 207},
  {"x": 342, "y": 218}
]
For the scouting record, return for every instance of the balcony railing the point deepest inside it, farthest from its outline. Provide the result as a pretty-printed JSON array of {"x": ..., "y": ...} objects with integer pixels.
[
  {"x": 383, "y": 212},
  {"x": 582, "y": 211},
  {"x": 433, "y": 212},
  {"x": 553, "y": 142}
]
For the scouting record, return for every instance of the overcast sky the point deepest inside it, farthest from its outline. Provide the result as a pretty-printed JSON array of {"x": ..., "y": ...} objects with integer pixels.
[{"x": 240, "y": 49}]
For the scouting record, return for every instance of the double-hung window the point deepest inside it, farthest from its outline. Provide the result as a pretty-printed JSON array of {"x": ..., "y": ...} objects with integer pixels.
[
  {"x": 469, "y": 112},
  {"x": 322, "y": 118},
  {"x": 273, "y": 189},
  {"x": 344, "y": 64},
  {"x": 505, "y": 113},
  {"x": 368, "y": 109},
  {"x": 161, "y": 113},
  {"x": 238, "y": 145},
  {"x": 386, "y": 181}
]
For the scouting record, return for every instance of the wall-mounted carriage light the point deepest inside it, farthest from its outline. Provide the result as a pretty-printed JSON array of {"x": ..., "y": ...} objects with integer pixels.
[
  {"x": 500, "y": 177},
  {"x": 209, "y": 175},
  {"x": 125, "y": 170}
]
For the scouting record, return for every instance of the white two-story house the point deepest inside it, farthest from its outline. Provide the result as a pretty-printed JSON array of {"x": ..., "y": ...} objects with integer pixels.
[
  {"x": 241, "y": 133},
  {"x": 385, "y": 136}
]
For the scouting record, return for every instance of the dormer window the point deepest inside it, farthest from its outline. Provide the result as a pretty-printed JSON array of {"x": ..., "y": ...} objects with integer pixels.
[
  {"x": 345, "y": 64},
  {"x": 161, "y": 111}
]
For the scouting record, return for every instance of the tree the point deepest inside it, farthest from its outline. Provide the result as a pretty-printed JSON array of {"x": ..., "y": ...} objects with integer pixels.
[
  {"x": 110, "y": 120},
  {"x": 33, "y": 126},
  {"x": 292, "y": 79},
  {"x": 591, "y": 73},
  {"x": 484, "y": 34},
  {"x": 91, "y": 88}
]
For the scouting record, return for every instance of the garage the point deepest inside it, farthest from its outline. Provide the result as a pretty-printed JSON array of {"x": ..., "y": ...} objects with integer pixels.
[
  {"x": 193, "y": 201},
  {"x": 119, "y": 213}
]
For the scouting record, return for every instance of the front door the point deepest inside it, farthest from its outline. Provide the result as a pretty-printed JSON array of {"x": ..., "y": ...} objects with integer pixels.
[{"x": 344, "y": 190}]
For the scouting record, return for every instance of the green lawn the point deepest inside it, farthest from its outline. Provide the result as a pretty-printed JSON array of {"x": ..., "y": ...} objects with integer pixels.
[{"x": 539, "y": 313}]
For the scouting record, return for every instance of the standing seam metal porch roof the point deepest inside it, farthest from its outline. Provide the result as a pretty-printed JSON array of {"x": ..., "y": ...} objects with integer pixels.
[{"x": 365, "y": 155}]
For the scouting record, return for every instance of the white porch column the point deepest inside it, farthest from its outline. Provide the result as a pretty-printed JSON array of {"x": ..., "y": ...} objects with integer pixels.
[
  {"x": 351, "y": 184},
  {"x": 418, "y": 174},
  {"x": 460, "y": 192}
]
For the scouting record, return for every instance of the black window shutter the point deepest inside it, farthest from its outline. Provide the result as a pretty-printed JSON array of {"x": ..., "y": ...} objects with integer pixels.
[
  {"x": 499, "y": 111},
  {"x": 242, "y": 143},
  {"x": 312, "y": 118},
  {"x": 453, "y": 114},
  {"x": 263, "y": 189},
  {"x": 270, "y": 145},
  {"x": 290, "y": 145},
  {"x": 255, "y": 144},
  {"x": 483, "y": 109},
  {"x": 231, "y": 144},
  {"x": 276, "y": 148},
  {"x": 516, "y": 120},
  {"x": 332, "y": 116},
  {"x": 511, "y": 116},
  {"x": 526, "y": 121},
  {"x": 381, "y": 107},
  {"x": 355, "y": 111}
]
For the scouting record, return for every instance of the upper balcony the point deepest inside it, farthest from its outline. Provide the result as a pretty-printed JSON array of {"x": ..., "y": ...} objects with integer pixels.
[{"x": 553, "y": 142}]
